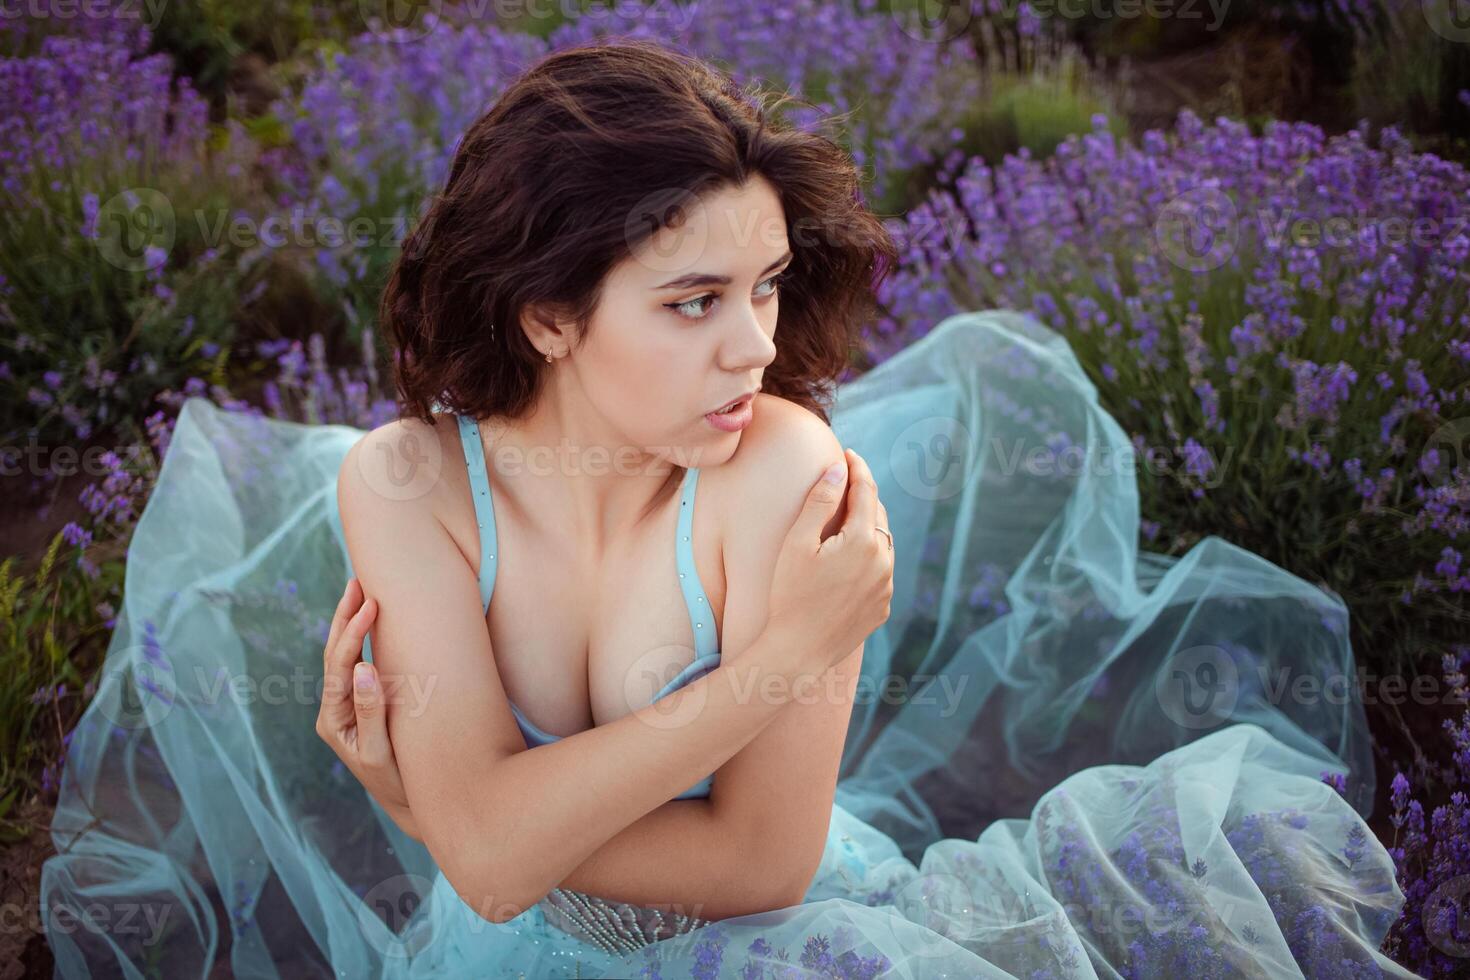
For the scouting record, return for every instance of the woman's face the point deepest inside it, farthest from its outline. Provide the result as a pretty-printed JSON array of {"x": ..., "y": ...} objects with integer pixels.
[{"x": 687, "y": 323}]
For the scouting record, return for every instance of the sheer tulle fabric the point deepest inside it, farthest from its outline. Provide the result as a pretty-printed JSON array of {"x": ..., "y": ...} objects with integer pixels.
[{"x": 1069, "y": 758}]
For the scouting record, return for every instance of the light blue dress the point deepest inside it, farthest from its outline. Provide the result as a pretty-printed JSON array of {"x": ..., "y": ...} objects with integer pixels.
[{"x": 1067, "y": 758}]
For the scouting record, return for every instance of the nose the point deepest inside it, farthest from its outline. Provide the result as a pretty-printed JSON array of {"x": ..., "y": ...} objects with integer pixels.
[{"x": 750, "y": 345}]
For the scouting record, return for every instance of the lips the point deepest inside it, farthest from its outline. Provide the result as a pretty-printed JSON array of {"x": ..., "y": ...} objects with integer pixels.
[
  {"x": 743, "y": 398},
  {"x": 737, "y": 418}
]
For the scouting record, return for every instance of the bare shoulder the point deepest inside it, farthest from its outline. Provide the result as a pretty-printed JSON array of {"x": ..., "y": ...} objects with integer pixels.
[
  {"x": 764, "y": 487},
  {"x": 782, "y": 432},
  {"x": 781, "y": 454},
  {"x": 396, "y": 474}
]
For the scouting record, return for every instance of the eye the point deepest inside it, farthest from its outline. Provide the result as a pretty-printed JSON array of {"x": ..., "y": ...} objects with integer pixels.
[
  {"x": 775, "y": 280},
  {"x": 679, "y": 308}
]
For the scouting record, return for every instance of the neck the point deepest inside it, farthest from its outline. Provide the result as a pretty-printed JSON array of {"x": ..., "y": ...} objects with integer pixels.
[{"x": 564, "y": 465}]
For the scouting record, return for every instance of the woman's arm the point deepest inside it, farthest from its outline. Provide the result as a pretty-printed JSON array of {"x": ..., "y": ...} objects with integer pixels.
[
  {"x": 505, "y": 824},
  {"x": 678, "y": 853},
  {"x": 781, "y": 785},
  {"x": 785, "y": 780},
  {"x": 350, "y": 716}
]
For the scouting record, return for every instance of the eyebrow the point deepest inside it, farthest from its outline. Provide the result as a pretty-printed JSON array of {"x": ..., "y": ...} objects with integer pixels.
[{"x": 704, "y": 279}]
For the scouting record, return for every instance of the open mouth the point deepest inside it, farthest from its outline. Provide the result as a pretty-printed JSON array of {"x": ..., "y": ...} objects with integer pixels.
[
  {"x": 735, "y": 406},
  {"x": 734, "y": 416}
]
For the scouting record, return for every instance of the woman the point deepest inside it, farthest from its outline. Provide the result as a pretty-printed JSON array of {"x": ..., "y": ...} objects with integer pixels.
[{"x": 755, "y": 750}]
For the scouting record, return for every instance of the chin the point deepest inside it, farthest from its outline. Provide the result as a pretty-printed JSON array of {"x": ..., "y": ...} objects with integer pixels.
[{"x": 716, "y": 449}]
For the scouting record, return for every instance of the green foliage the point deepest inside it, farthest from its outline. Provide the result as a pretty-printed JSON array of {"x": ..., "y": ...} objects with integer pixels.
[
  {"x": 1036, "y": 113},
  {"x": 1040, "y": 89},
  {"x": 541, "y": 19},
  {"x": 1406, "y": 74},
  {"x": 92, "y": 304},
  {"x": 206, "y": 37},
  {"x": 51, "y": 634}
]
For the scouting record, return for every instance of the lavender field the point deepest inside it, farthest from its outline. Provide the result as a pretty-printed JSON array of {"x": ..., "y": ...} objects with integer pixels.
[{"x": 1251, "y": 221}]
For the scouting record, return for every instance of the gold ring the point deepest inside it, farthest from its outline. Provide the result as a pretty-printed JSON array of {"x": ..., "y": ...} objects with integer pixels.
[{"x": 884, "y": 531}]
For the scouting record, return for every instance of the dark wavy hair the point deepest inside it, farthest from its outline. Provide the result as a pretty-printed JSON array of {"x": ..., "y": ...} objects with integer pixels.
[{"x": 551, "y": 188}]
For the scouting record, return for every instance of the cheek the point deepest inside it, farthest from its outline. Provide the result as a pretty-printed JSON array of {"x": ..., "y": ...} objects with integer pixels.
[{"x": 649, "y": 381}]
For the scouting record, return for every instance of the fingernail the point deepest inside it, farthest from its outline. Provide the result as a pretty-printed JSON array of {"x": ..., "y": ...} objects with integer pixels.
[
  {"x": 362, "y": 677},
  {"x": 833, "y": 474}
]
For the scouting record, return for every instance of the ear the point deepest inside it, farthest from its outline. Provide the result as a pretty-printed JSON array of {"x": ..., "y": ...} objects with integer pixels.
[{"x": 548, "y": 327}]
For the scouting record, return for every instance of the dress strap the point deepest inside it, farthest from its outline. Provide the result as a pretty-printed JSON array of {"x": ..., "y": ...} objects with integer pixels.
[
  {"x": 705, "y": 642},
  {"x": 474, "y": 459}
]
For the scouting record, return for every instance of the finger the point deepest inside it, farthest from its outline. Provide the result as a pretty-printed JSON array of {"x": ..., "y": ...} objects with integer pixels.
[
  {"x": 348, "y": 649},
  {"x": 346, "y": 606},
  {"x": 372, "y": 729},
  {"x": 862, "y": 499},
  {"x": 337, "y": 707},
  {"x": 822, "y": 501},
  {"x": 891, "y": 545},
  {"x": 883, "y": 519}
]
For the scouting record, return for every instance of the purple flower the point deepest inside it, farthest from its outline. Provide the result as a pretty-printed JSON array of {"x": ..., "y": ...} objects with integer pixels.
[
  {"x": 1198, "y": 462},
  {"x": 90, "y": 111}
]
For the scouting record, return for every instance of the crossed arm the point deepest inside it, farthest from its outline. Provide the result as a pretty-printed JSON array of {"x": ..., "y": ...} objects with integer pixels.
[{"x": 497, "y": 813}]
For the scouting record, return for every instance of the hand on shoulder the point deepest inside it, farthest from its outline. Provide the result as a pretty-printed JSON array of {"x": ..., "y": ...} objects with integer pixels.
[{"x": 781, "y": 454}]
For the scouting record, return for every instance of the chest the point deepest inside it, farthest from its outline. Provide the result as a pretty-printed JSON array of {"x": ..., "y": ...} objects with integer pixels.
[{"x": 580, "y": 645}]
